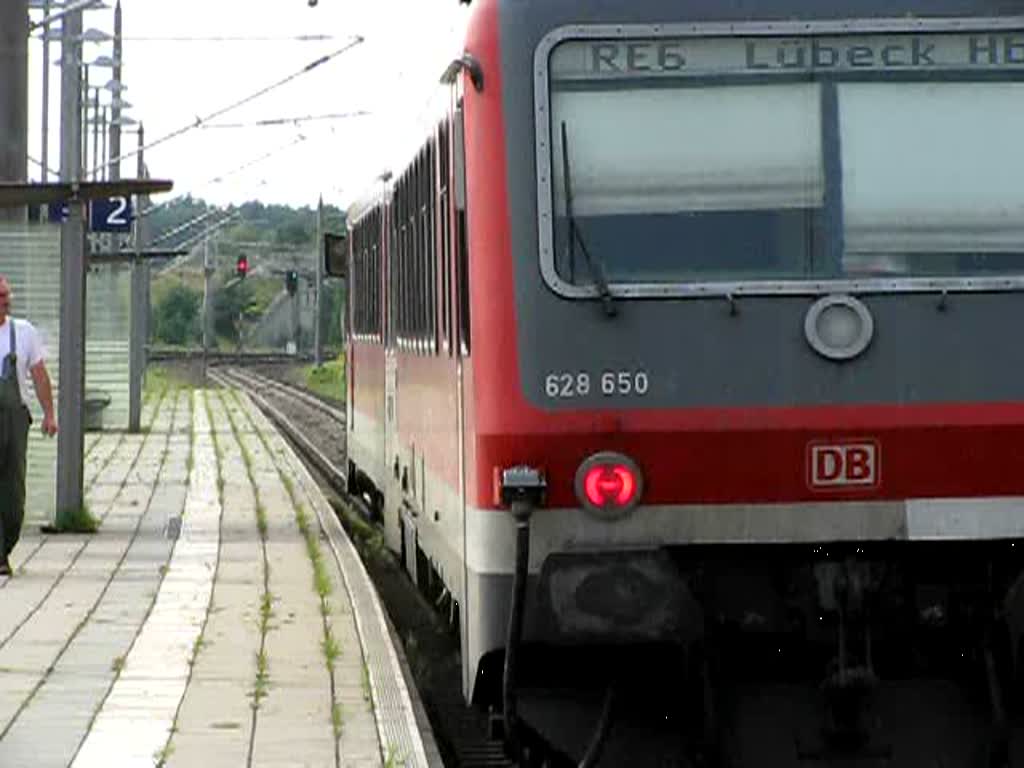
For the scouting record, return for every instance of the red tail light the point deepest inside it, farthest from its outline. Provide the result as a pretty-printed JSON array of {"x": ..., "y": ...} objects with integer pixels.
[{"x": 609, "y": 484}]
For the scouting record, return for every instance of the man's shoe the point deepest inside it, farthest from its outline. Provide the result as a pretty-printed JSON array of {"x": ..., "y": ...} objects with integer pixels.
[{"x": 5, "y": 567}]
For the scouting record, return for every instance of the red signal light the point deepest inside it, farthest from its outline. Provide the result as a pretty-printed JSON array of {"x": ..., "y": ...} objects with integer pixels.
[
  {"x": 606, "y": 485},
  {"x": 242, "y": 266},
  {"x": 609, "y": 484}
]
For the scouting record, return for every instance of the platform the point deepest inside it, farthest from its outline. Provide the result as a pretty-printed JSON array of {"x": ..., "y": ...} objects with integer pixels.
[{"x": 220, "y": 617}]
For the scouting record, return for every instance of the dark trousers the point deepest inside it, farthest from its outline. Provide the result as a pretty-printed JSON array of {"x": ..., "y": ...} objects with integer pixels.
[{"x": 14, "y": 424}]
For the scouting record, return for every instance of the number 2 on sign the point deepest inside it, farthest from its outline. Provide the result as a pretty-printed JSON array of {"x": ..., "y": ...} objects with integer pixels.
[{"x": 117, "y": 218}]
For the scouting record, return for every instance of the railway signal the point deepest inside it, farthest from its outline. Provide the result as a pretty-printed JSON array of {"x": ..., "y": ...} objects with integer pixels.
[
  {"x": 242, "y": 266},
  {"x": 291, "y": 282}
]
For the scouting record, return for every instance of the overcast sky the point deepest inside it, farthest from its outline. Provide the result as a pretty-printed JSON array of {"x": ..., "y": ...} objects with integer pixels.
[{"x": 171, "y": 82}]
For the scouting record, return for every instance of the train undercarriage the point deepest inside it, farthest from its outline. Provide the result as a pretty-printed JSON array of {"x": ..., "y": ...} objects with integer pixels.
[{"x": 877, "y": 654}]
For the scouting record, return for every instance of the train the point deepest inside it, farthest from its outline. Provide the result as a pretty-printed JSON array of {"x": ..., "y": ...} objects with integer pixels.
[{"x": 683, "y": 353}]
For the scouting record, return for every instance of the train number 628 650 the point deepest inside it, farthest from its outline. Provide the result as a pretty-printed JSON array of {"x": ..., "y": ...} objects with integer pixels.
[{"x": 566, "y": 385}]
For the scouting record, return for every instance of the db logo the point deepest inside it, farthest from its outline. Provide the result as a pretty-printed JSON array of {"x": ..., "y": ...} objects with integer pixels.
[{"x": 843, "y": 465}]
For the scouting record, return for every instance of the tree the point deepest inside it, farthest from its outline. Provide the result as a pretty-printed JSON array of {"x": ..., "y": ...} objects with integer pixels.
[
  {"x": 175, "y": 316},
  {"x": 232, "y": 303}
]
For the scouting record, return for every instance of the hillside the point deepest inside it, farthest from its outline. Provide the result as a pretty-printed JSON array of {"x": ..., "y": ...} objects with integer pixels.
[{"x": 274, "y": 238}]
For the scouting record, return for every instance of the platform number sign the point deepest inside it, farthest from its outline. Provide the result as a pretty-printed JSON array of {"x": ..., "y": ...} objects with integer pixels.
[{"x": 112, "y": 214}]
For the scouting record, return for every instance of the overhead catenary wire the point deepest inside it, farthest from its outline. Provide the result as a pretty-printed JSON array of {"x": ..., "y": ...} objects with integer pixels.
[
  {"x": 230, "y": 38},
  {"x": 221, "y": 176},
  {"x": 288, "y": 120},
  {"x": 189, "y": 243},
  {"x": 199, "y": 121}
]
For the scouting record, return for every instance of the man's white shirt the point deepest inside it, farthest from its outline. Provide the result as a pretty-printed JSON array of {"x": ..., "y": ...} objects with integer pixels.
[{"x": 30, "y": 350}]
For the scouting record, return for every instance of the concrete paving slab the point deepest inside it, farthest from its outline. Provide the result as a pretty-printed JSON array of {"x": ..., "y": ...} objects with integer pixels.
[
  {"x": 156, "y": 670},
  {"x": 139, "y": 647}
]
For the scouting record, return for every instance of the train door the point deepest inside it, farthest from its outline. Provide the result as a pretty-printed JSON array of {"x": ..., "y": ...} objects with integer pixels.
[
  {"x": 393, "y": 492},
  {"x": 392, "y": 489},
  {"x": 460, "y": 328}
]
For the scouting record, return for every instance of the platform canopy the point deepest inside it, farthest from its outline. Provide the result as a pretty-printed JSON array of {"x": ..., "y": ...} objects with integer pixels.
[{"x": 14, "y": 194}]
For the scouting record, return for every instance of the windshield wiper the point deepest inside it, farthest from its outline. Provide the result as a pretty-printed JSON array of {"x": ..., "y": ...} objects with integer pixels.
[{"x": 595, "y": 266}]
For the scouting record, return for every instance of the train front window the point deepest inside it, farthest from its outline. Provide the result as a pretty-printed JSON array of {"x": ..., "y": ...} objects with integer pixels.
[
  {"x": 688, "y": 183},
  {"x": 932, "y": 178},
  {"x": 675, "y": 162}
]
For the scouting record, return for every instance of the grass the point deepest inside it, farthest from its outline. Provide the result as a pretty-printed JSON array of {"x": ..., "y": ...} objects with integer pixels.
[
  {"x": 78, "y": 520},
  {"x": 369, "y": 541},
  {"x": 328, "y": 380},
  {"x": 160, "y": 378}
]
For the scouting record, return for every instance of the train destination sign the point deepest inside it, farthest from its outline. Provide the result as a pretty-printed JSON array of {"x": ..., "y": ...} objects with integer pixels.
[{"x": 668, "y": 57}]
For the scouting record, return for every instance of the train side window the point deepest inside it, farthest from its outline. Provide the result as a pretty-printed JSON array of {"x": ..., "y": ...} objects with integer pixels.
[
  {"x": 461, "y": 239},
  {"x": 463, "y": 280},
  {"x": 393, "y": 272},
  {"x": 403, "y": 271},
  {"x": 378, "y": 275},
  {"x": 406, "y": 260},
  {"x": 406, "y": 264},
  {"x": 416, "y": 223},
  {"x": 421, "y": 254},
  {"x": 444, "y": 212},
  {"x": 431, "y": 229}
]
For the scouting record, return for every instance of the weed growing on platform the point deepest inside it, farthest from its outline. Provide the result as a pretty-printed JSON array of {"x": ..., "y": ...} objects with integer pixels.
[
  {"x": 331, "y": 647},
  {"x": 267, "y": 599},
  {"x": 322, "y": 582},
  {"x": 262, "y": 678},
  {"x": 218, "y": 449},
  {"x": 338, "y": 719},
  {"x": 288, "y": 486},
  {"x": 367, "y": 691},
  {"x": 261, "y": 520},
  {"x": 266, "y": 610},
  {"x": 197, "y": 646},
  {"x": 78, "y": 520},
  {"x": 161, "y": 756},
  {"x": 393, "y": 758}
]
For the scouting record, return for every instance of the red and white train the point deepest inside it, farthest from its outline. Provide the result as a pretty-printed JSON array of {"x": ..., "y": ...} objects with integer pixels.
[{"x": 727, "y": 299}]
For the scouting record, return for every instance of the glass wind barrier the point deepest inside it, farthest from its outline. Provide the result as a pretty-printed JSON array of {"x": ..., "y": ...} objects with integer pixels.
[{"x": 30, "y": 258}]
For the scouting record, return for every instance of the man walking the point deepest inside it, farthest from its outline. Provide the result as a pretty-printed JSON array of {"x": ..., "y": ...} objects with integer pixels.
[{"x": 21, "y": 354}]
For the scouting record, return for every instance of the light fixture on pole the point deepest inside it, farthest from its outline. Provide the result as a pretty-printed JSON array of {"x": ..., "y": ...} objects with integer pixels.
[
  {"x": 93, "y": 35},
  {"x": 71, "y": 8}
]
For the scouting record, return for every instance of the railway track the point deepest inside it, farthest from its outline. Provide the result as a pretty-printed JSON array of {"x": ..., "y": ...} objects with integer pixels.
[
  {"x": 158, "y": 355},
  {"x": 317, "y": 430}
]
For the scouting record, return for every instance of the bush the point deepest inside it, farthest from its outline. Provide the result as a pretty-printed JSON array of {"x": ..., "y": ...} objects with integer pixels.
[
  {"x": 176, "y": 316},
  {"x": 233, "y": 305}
]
